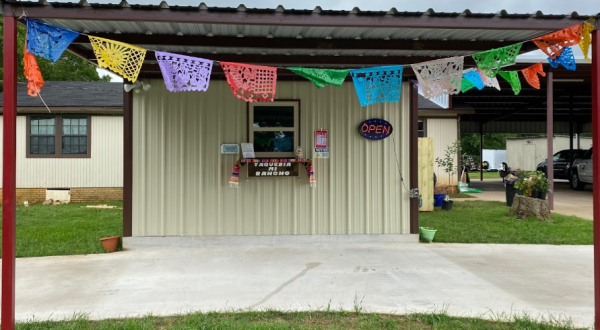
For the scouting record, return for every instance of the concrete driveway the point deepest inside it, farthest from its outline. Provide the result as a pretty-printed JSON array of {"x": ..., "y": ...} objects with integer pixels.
[
  {"x": 566, "y": 200},
  {"x": 390, "y": 274}
]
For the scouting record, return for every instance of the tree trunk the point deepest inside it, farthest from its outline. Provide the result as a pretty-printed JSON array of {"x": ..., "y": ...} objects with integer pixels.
[{"x": 526, "y": 207}]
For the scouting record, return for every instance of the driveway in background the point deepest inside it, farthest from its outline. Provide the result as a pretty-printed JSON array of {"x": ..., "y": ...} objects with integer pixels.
[{"x": 566, "y": 200}]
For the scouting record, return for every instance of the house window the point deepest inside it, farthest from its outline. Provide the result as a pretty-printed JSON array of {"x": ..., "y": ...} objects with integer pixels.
[
  {"x": 58, "y": 136},
  {"x": 274, "y": 128},
  {"x": 421, "y": 128}
]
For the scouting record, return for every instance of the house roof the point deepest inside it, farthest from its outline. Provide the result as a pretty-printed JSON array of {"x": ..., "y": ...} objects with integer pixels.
[
  {"x": 95, "y": 96},
  {"x": 76, "y": 95}
]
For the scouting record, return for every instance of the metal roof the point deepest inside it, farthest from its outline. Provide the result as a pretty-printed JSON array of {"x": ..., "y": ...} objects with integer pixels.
[
  {"x": 275, "y": 31},
  {"x": 205, "y": 31}
]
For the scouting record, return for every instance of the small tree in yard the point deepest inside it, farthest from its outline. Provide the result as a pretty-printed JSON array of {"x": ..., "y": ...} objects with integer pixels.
[{"x": 448, "y": 163}]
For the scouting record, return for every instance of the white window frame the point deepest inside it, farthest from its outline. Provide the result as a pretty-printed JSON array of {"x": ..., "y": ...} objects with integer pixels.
[{"x": 295, "y": 129}]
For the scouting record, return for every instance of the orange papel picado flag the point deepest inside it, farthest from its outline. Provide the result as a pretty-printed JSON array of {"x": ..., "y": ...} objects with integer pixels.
[
  {"x": 531, "y": 74},
  {"x": 35, "y": 81}
]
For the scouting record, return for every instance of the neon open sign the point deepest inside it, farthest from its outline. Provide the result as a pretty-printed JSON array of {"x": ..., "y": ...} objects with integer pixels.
[{"x": 375, "y": 129}]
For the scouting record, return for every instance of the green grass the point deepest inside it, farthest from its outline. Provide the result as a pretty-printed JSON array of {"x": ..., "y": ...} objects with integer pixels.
[
  {"x": 50, "y": 230},
  {"x": 486, "y": 175},
  {"x": 303, "y": 320},
  {"x": 488, "y": 222},
  {"x": 452, "y": 196}
]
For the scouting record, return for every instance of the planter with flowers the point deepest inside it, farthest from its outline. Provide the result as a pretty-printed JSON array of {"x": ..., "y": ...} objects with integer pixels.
[{"x": 540, "y": 186}]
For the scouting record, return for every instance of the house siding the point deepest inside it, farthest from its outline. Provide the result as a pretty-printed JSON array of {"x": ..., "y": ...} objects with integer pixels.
[
  {"x": 444, "y": 132},
  {"x": 180, "y": 179},
  {"x": 103, "y": 169},
  {"x": 522, "y": 155}
]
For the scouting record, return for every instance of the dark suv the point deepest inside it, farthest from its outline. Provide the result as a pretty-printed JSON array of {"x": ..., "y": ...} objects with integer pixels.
[{"x": 562, "y": 163}]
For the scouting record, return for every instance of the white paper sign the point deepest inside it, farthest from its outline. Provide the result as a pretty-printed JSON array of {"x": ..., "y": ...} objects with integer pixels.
[
  {"x": 321, "y": 152},
  {"x": 248, "y": 150}
]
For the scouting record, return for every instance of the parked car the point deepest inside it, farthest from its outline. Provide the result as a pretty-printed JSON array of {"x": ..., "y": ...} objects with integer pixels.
[
  {"x": 562, "y": 163},
  {"x": 581, "y": 171}
]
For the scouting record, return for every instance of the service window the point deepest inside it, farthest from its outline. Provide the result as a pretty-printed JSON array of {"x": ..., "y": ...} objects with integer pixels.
[{"x": 274, "y": 128}]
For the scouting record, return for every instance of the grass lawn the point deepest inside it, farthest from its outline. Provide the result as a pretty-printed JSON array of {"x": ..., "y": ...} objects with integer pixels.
[
  {"x": 300, "y": 320},
  {"x": 49, "y": 230},
  {"x": 453, "y": 196},
  {"x": 488, "y": 222},
  {"x": 486, "y": 175}
]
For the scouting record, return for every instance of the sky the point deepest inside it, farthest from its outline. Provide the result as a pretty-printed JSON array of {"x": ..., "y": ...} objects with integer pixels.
[{"x": 583, "y": 7}]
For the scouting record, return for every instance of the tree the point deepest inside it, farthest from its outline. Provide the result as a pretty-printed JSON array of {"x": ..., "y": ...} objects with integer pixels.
[
  {"x": 470, "y": 143},
  {"x": 448, "y": 163},
  {"x": 69, "y": 67}
]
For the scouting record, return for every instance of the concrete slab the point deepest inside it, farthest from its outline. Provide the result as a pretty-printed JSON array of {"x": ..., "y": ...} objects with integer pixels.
[
  {"x": 566, "y": 200},
  {"x": 162, "y": 277}
]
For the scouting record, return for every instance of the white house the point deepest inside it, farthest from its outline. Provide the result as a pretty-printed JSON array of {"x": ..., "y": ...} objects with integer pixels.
[
  {"x": 526, "y": 153},
  {"x": 72, "y": 150}
]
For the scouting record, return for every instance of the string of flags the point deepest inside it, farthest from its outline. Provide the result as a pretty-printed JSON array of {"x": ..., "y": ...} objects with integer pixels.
[{"x": 255, "y": 83}]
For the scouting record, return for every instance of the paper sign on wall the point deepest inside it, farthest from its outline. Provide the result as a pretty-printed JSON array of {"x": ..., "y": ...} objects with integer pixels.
[
  {"x": 321, "y": 144},
  {"x": 248, "y": 150},
  {"x": 321, "y": 139},
  {"x": 321, "y": 154}
]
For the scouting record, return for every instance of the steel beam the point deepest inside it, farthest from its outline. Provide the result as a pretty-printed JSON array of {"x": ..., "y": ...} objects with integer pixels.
[
  {"x": 9, "y": 173},
  {"x": 550, "y": 136},
  {"x": 298, "y": 60},
  {"x": 127, "y": 163},
  {"x": 480, "y": 151},
  {"x": 596, "y": 167},
  {"x": 414, "y": 156},
  {"x": 570, "y": 130},
  {"x": 303, "y": 43}
]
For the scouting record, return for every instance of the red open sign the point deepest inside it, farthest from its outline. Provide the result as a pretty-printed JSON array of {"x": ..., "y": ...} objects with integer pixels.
[{"x": 375, "y": 129}]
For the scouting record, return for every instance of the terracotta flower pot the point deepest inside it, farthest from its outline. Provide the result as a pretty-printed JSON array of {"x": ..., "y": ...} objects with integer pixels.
[{"x": 110, "y": 243}]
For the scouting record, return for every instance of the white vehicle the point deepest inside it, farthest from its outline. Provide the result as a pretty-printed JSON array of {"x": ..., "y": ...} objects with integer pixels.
[{"x": 582, "y": 171}]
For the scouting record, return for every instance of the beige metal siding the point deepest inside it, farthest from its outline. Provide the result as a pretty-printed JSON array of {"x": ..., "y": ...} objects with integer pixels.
[
  {"x": 103, "y": 169},
  {"x": 180, "y": 179},
  {"x": 519, "y": 157},
  {"x": 444, "y": 132}
]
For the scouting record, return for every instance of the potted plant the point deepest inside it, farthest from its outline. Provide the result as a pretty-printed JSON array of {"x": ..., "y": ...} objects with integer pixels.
[
  {"x": 449, "y": 165},
  {"x": 541, "y": 185},
  {"x": 523, "y": 185},
  {"x": 426, "y": 234},
  {"x": 110, "y": 244}
]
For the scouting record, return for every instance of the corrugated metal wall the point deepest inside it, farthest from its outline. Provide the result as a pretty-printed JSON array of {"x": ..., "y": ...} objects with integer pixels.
[
  {"x": 444, "y": 132},
  {"x": 103, "y": 169},
  {"x": 180, "y": 179},
  {"x": 520, "y": 156}
]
